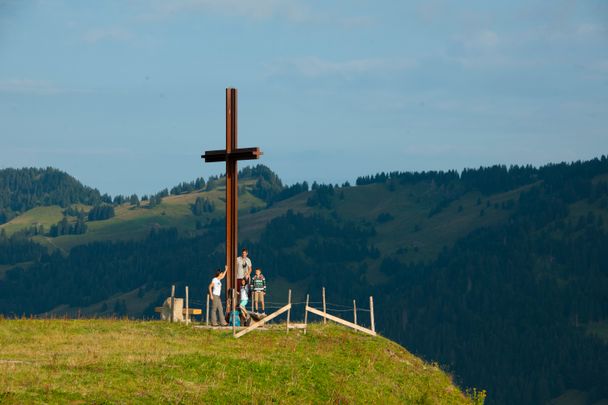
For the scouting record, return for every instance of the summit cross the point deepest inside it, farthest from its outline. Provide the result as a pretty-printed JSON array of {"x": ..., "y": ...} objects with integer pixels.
[{"x": 231, "y": 155}]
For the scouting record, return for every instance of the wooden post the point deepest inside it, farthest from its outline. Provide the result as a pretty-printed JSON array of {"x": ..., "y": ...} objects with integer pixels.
[
  {"x": 355, "y": 312},
  {"x": 371, "y": 312},
  {"x": 187, "y": 308},
  {"x": 172, "y": 302},
  {"x": 289, "y": 310},
  {"x": 306, "y": 315},
  {"x": 324, "y": 308},
  {"x": 232, "y": 314},
  {"x": 207, "y": 317}
]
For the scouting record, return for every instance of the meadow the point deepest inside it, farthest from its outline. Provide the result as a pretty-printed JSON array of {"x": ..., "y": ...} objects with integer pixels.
[{"x": 125, "y": 361}]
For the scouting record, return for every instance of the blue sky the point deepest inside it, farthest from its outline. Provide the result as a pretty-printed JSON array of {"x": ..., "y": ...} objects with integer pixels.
[{"x": 125, "y": 95}]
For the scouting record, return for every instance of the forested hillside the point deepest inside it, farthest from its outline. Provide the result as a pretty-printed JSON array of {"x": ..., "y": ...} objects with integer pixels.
[
  {"x": 23, "y": 189},
  {"x": 499, "y": 274}
]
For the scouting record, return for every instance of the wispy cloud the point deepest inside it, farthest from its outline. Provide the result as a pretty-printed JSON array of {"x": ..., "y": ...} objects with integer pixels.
[
  {"x": 106, "y": 34},
  {"x": 28, "y": 86},
  {"x": 71, "y": 151},
  {"x": 315, "y": 67},
  {"x": 591, "y": 29},
  {"x": 291, "y": 10},
  {"x": 483, "y": 39},
  {"x": 294, "y": 11}
]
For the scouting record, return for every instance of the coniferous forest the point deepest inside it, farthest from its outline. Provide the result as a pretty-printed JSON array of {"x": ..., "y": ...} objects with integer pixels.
[{"x": 506, "y": 307}]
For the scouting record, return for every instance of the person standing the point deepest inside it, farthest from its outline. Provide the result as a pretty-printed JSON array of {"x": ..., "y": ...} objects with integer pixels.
[
  {"x": 243, "y": 267},
  {"x": 215, "y": 292},
  {"x": 244, "y": 299},
  {"x": 259, "y": 289}
]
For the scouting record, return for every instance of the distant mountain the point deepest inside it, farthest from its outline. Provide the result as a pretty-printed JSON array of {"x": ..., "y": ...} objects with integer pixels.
[{"x": 499, "y": 274}]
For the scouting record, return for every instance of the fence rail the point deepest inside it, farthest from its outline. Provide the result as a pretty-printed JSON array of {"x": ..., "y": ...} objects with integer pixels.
[{"x": 282, "y": 307}]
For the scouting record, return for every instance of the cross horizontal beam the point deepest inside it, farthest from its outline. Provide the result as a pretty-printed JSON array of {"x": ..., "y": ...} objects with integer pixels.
[{"x": 237, "y": 154}]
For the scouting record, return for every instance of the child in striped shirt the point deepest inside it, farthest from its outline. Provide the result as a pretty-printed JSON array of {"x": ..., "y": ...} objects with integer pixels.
[{"x": 259, "y": 289}]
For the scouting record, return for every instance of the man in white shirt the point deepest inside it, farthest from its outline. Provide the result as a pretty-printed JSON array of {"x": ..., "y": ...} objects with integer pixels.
[
  {"x": 243, "y": 267},
  {"x": 215, "y": 292}
]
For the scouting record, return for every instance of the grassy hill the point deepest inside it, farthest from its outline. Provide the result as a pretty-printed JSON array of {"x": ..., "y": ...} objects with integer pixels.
[{"x": 121, "y": 361}]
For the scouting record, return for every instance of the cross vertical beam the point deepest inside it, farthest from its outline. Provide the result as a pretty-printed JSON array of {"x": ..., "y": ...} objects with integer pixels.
[
  {"x": 231, "y": 155},
  {"x": 232, "y": 188}
]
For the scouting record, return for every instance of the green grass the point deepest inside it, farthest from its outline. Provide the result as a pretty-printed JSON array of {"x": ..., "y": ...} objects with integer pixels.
[
  {"x": 120, "y": 361},
  {"x": 46, "y": 216}
]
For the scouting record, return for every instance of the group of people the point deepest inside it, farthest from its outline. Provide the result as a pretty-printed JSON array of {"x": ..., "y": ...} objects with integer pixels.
[{"x": 246, "y": 286}]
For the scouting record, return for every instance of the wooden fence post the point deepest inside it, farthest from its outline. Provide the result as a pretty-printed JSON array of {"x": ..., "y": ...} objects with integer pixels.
[
  {"x": 289, "y": 310},
  {"x": 306, "y": 314},
  {"x": 187, "y": 308},
  {"x": 355, "y": 311},
  {"x": 324, "y": 308},
  {"x": 172, "y": 302},
  {"x": 371, "y": 312},
  {"x": 207, "y": 317}
]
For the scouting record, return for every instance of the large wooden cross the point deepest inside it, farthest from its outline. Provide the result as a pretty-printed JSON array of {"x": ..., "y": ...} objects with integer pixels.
[{"x": 231, "y": 155}]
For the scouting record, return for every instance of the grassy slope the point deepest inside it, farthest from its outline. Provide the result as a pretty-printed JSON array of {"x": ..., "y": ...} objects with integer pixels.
[
  {"x": 55, "y": 361},
  {"x": 412, "y": 233},
  {"x": 131, "y": 222},
  {"x": 46, "y": 216},
  {"x": 409, "y": 205}
]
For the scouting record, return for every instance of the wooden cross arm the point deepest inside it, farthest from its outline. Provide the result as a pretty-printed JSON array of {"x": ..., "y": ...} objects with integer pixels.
[{"x": 237, "y": 154}]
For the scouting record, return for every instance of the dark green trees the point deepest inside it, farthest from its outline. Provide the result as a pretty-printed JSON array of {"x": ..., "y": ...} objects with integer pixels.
[
  {"x": 201, "y": 206},
  {"x": 101, "y": 212}
]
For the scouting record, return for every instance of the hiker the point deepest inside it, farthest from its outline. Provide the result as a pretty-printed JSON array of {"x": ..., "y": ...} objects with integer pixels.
[
  {"x": 243, "y": 267},
  {"x": 259, "y": 290},
  {"x": 215, "y": 292}
]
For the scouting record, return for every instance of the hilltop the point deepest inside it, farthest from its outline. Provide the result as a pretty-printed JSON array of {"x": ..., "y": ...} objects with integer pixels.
[{"x": 122, "y": 361}]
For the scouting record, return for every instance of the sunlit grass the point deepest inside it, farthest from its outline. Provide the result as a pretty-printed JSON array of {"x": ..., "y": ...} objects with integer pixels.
[{"x": 120, "y": 361}]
